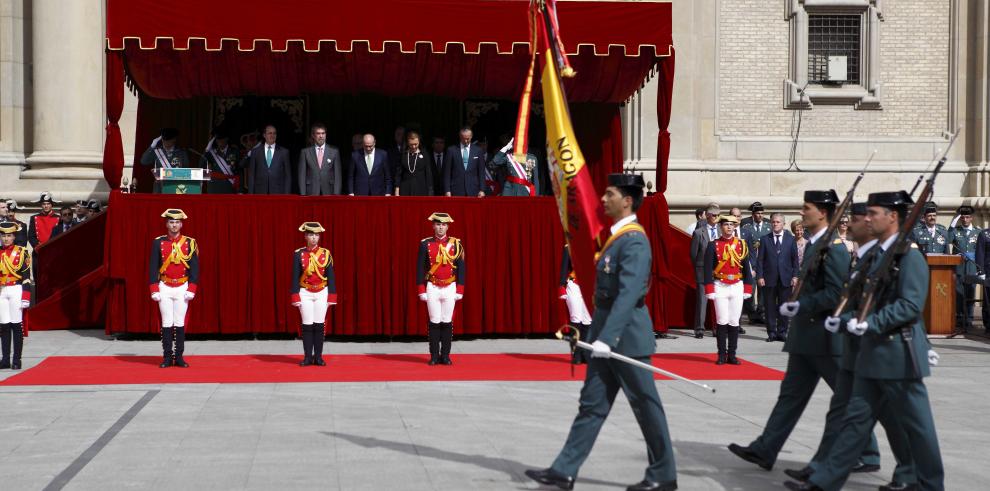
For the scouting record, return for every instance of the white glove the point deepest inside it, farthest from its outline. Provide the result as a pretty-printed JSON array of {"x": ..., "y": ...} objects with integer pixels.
[
  {"x": 156, "y": 296},
  {"x": 932, "y": 358},
  {"x": 563, "y": 297},
  {"x": 25, "y": 304},
  {"x": 189, "y": 296},
  {"x": 789, "y": 309},
  {"x": 331, "y": 303},
  {"x": 458, "y": 296},
  {"x": 983, "y": 277},
  {"x": 747, "y": 296},
  {"x": 296, "y": 304},
  {"x": 856, "y": 327},
  {"x": 600, "y": 350},
  {"x": 422, "y": 296},
  {"x": 710, "y": 296},
  {"x": 832, "y": 324}
]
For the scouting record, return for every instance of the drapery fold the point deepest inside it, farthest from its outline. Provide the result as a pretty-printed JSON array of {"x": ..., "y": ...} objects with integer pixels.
[{"x": 113, "y": 147}]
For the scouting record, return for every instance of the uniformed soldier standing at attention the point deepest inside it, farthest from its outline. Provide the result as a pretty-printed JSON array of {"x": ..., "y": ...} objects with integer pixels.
[
  {"x": 752, "y": 229},
  {"x": 220, "y": 159},
  {"x": 894, "y": 357},
  {"x": 165, "y": 153},
  {"x": 863, "y": 261},
  {"x": 962, "y": 239},
  {"x": 9, "y": 215},
  {"x": 621, "y": 323},
  {"x": 727, "y": 283},
  {"x": 314, "y": 290},
  {"x": 173, "y": 276},
  {"x": 41, "y": 224},
  {"x": 570, "y": 292},
  {"x": 440, "y": 275},
  {"x": 813, "y": 352},
  {"x": 15, "y": 270},
  {"x": 931, "y": 236}
]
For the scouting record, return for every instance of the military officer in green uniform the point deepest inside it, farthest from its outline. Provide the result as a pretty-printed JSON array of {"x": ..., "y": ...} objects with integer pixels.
[
  {"x": 862, "y": 261},
  {"x": 521, "y": 178},
  {"x": 813, "y": 351},
  {"x": 165, "y": 153},
  {"x": 962, "y": 241},
  {"x": 752, "y": 229},
  {"x": 220, "y": 160},
  {"x": 621, "y": 323},
  {"x": 931, "y": 236},
  {"x": 894, "y": 357}
]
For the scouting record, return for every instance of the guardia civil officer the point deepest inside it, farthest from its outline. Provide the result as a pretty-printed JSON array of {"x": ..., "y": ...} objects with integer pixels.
[
  {"x": 314, "y": 290},
  {"x": 932, "y": 237},
  {"x": 621, "y": 323},
  {"x": 15, "y": 271},
  {"x": 962, "y": 241},
  {"x": 440, "y": 275},
  {"x": 173, "y": 273}
]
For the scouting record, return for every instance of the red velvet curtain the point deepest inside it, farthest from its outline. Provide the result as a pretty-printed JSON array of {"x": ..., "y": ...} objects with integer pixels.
[
  {"x": 665, "y": 93},
  {"x": 513, "y": 250},
  {"x": 113, "y": 148},
  {"x": 598, "y": 128}
]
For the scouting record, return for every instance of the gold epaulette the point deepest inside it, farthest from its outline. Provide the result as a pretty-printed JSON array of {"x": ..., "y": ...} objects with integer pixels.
[
  {"x": 300, "y": 249},
  {"x": 161, "y": 237},
  {"x": 426, "y": 239},
  {"x": 914, "y": 246},
  {"x": 837, "y": 241}
]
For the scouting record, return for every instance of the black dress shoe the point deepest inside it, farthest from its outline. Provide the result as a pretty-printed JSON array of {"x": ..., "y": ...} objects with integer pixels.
[
  {"x": 743, "y": 331},
  {"x": 898, "y": 486},
  {"x": 749, "y": 455},
  {"x": 720, "y": 360},
  {"x": 646, "y": 485},
  {"x": 181, "y": 363},
  {"x": 799, "y": 474},
  {"x": 446, "y": 361},
  {"x": 15, "y": 365},
  {"x": 165, "y": 364},
  {"x": 733, "y": 360},
  {"x": 320, "y": 362},
  {"x": 801, "y": 486},
  {"x": 306, "y": 362},
  {"x": 699, "y": 333},
  {"x": 4, "y": 364},
  {"x": 433, "y": 361},
  {"x": 771, "y": 339},
  {"x": 551, "y": 477},
  {"x": 781, "y": 337},
  {"x": 861, "y": 467}
]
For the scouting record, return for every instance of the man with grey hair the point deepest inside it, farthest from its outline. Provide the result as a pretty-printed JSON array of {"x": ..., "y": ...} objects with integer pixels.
[
  {"x": 777, "y": 270},
  {"x": 703, "y": 234}
]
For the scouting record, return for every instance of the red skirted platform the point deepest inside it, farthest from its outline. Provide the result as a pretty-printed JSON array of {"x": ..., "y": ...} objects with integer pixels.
[
  {"x": 110, "y": 370},
  {"x": 513, "y": 251}
]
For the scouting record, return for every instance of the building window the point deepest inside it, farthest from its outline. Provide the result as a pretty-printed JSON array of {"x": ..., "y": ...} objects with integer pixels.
[
  {"x": 833, "y": 49},
  {"x": 834, "y": 55}
]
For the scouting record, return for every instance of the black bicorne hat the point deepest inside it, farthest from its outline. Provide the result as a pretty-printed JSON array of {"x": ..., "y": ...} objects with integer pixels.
[{"x": 820, "y": 197}]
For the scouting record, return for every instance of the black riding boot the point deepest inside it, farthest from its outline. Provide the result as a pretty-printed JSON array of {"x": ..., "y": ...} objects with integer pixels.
[
  {"x": 180, "y": 346},
  {"x": 433, "y": 333},
  {"x": 733, "y": 343},
  {"x": 168, "y": 335},
  {"x": 721, "y": 332},
  {"x": 318, "y": 339},
  {"x": 17, "y": 332},
  {"x": 580, "y": 355},
  {"x": 5, "y": 344},
  {"x": 446, "y": 337},
  {"x": 307, "y": 339}
]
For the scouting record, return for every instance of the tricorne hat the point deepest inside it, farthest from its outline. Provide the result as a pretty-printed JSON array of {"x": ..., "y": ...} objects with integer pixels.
[
  {"x": 312, "y": 227},
  {"x": 46, "y": 197},
  {"x": 440, "y": 217},
  {"x": 9, "y": 227},
  {"x": 174, "y": 214}
]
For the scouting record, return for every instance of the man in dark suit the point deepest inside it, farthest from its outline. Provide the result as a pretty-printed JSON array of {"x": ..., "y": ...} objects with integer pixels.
[
  {"x": 268, "y": 167},
  {"x": 776, "y": 272},
  {"x": 436, "y": 160},
  {"x": 371, "y": 173},
  {"x": 702, "y": 235},
  {"x": 319, "y": 166},
  {"x": 65, "y": 221},
  {"x": 464, "y": 167}
]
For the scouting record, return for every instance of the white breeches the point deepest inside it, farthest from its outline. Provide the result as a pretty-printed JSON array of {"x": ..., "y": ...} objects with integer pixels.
[
  {"x": 313, "y": 306},
  {"x": 10, "y": 304},
  {"x": 728, "y": 303},
  {"x": 173, "y": 304},
  {"x": 575, "y": 304},
  {"x": 440, "y": 302}
]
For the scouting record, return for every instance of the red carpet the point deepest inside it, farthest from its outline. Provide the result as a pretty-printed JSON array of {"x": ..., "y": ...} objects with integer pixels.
[{"x": 230, "y": 369}]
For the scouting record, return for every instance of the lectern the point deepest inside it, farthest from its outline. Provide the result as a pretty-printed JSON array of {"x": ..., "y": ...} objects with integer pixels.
[
  {"x": 180, "y": 180},
  {"x": 940, "y": 309}
]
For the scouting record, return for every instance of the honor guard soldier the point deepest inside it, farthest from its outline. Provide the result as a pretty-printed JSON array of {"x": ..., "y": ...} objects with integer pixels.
[
  {"x": 752, "y": 229},
  {"x": 570, "y": 293},
  {"x": 931, "y": 236},
  {"x": 440, "y": 275},
  {"x": 173, "y": 276},
  {"x": 812, "y": 351},
  {"x": 314, "y": 290},
  {"x": 962, "y": 241},
  {"x": 894, "y": 357},
  {"x": 621, "y": 323},
  {"x": 10, "y": 209},
  {"x": 220, "y": 159},
  {"x": 15, "y": 267},
  {"x": 165, "y": 153},
  {"x": 727, "y": 283},
  {"x": 41, "y": 224}
]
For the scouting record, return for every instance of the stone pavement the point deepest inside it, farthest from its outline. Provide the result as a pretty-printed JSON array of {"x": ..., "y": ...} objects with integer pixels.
[{"x": 421, "y": 435}]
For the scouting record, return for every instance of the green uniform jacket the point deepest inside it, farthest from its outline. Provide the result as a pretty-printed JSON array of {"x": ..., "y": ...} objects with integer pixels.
[
  {"x": 850, "y": 343},
  {"x": 963, "y": 242},
  {"x": 937, "y": 243},
  {"x": 819, "y": 296},
  {"x": 883, "y": 354},
  {"x": 620, "y": 319}
]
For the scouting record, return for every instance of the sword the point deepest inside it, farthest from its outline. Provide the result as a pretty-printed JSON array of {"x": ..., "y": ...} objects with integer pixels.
[{"x": 570, "y": 337}]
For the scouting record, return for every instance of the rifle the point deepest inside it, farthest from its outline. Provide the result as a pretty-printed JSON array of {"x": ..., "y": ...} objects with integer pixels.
[
  {"x": 886, "y": 270},
  {"x": 811, "y": 266},
  {"x": 921, "y": 177}
]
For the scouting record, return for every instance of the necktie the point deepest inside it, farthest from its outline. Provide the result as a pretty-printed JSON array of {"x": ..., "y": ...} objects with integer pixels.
[
  {"x": 464, "y": 156},
  {"x": 777, "y": 240},
  {"x": 712, "y": 232},
  {"x": 268, "y": 155},
  {"x": 369, "y": 161},
  {"x": 319, "y": 157},
  {"x": 439, "y": 160}
]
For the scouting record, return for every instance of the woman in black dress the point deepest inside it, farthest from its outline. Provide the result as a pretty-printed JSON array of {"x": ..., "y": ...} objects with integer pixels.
[{"x": 413, "y": 176}]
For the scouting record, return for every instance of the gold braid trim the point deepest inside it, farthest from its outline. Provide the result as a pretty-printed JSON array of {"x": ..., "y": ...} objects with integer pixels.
[
  {"x": 11, "y": 269},
  {"x": 731, "y": 257},
  {"x": 177, "y": 257},
  {"x": 316, "y": 266}
]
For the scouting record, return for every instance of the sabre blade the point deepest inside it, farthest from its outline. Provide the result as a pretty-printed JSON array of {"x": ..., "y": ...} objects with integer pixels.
[{"x": 647, "y": 366}]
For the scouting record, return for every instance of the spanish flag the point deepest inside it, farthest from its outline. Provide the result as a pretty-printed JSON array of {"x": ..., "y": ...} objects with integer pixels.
[{"x": 581, "y": 212}]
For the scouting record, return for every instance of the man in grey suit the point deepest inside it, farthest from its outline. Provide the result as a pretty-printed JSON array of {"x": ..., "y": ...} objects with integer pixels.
[
  {"x": 703, "y": 234},
  {"x": 320, "y": 172},
  {"x": 268, "y": 167}
]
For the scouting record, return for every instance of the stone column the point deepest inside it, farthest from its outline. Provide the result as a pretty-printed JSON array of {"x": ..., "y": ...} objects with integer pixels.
[{"x": 69, "y": 114}]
